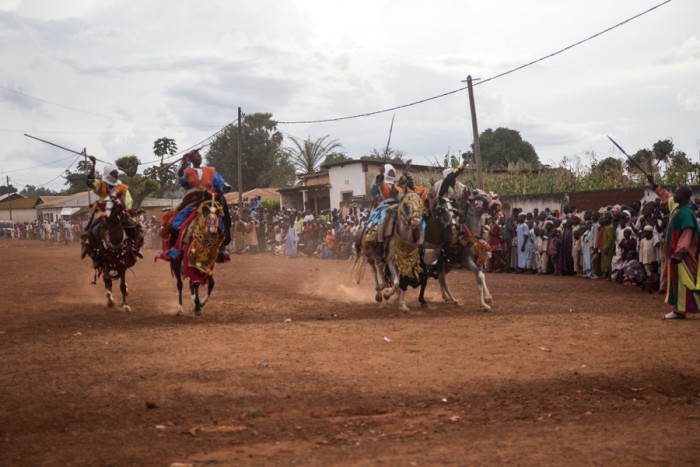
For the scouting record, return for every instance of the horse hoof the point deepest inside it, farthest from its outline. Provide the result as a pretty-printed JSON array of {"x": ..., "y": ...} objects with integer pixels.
[
  {"x": 179, "y": 310},
  {"x": 485, "y": 307},
  {"x": 488, "y": 299},
  {"x": 198, "y": 312},
  {"x": 457, "y": 303},
  {"x": 378, "y": 297},
  {"x": 126, "y": 308},
  {"x": 404, "y": 308},
  {"x": 424, "y": 305},
  {"x": 204, "y": 301}
]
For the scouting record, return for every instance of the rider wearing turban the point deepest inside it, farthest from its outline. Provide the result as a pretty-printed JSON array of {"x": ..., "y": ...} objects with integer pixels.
[
  {"x": 199, "y": 180},
  {"x": 110, "y": 185}
]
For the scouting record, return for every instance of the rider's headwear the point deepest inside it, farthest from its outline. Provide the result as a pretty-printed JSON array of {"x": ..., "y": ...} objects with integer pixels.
[
  {"x": 111, "y": 175},
  {"x": 389, "y": 173}
]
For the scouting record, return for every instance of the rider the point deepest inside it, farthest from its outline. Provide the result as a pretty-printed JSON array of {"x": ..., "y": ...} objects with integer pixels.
[
  {"x": 387, "y": 192},
  {"x": 198, "y": 180},
  {"x": 110, "y": 185}
]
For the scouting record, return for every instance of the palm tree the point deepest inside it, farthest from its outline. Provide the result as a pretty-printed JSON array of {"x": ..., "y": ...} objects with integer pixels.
[
  {"x": 163, "y": 146},
  {"x": 307, "y": 155}
]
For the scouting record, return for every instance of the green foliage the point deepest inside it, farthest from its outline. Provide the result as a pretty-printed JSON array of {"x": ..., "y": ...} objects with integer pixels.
[
  {"x": 166, "y": 177},
  {"x": 271, "y": 205},
  {"x": 264, "y": 161},
  {"x": 4, "y": 189},
  {"x": 388, "y": 155},
  {"x": 76, "y": 181},
  {"x": 306, "y": 155},
  {"x": 503, "y": 147},
  {"x": 335, "y": 157},
  {"x": 576, "y": 173},
  {"x": 31, "y": 191},
  {"x": 138, "y": 187}
]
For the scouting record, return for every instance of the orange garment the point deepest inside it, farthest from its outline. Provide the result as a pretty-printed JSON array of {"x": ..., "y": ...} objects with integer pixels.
[
  {"x": 205, "y": 181},
  {"x": 330, "y": 240}
]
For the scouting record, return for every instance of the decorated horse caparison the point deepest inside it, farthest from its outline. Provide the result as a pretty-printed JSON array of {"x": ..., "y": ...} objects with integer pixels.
[
  {"x": 400, "y": 266},
  {"x": 198, "y": 247},
  {"x": 114, "y": 252}
]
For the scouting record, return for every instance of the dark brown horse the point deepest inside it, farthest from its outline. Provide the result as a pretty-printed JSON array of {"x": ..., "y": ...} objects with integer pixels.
[
  {"x": 112, "y": 250},
  {"x": 452, "y": 239},
  {"x": 202, "y": 236}
]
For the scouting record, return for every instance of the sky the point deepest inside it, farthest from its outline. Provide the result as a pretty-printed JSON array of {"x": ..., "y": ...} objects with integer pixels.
[{"x": 112, "y": 76}]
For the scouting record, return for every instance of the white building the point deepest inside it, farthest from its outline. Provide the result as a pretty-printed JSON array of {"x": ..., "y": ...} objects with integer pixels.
[{"x": 345, "y": 184}]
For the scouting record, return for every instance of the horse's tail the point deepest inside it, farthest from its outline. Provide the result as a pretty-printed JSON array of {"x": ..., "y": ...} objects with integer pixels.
[{"x": 358, "y": 269}]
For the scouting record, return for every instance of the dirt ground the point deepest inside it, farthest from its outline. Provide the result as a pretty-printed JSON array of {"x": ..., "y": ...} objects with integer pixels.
[{"x": 292, "y": 363}]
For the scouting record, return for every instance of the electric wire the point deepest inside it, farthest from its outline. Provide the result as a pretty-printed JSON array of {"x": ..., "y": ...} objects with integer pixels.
[{"x": 422, "y": 101}]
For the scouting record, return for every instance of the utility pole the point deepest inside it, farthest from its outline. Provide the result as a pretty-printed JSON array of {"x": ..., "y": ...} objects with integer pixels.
[
  {"x": 87, "y": 171},
  {"x": 240, "y": 170},
  {"x": 475, "y": 130},
  {"x": 9, "y": 198}
]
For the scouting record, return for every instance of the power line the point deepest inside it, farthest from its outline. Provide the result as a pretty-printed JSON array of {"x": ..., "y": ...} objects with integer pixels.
[
  {"x": 422, "y": 101},
  {"x": 89, "y": 112},
  {"x": 37, "y": 166}
]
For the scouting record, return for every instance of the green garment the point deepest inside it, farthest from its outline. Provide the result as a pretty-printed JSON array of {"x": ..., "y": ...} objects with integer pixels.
[{"x": 607, "y": 249}]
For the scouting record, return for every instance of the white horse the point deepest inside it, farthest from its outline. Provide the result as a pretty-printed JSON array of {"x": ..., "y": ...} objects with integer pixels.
[{"x": 401, "y": 264}]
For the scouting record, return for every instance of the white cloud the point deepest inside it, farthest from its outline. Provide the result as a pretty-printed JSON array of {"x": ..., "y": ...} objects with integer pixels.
[{"x": 689, "y": 101}]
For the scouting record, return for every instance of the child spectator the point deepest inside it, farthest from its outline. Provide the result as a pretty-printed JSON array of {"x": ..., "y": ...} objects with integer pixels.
[
  {"x": 632, "y": 271},
  {"x": 651, "y": 284},
  {"x": 648, "y": 249}
]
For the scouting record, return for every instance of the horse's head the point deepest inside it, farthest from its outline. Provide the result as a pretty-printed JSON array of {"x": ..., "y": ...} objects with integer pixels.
[
  {"x": 478, "y": 203},
  {"x": 411, "y": 210},
  {"x": 445, "y": 212},
  {"x": 113, "y": 207}
]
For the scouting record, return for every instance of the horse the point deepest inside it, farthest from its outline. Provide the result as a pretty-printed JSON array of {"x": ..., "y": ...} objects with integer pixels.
[
  {"x": 448, "y": 244},
  {"x": 201, "y": 237},
  {"x": 113, "y": 251},
  {"x": 401, "y": 264}
]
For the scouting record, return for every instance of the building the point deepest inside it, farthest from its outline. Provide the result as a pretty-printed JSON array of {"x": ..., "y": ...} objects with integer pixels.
[
  {"x": 76, "y": 206},
  {"x": 18, "y": 210},
  {"x": 346, "y": 184}
]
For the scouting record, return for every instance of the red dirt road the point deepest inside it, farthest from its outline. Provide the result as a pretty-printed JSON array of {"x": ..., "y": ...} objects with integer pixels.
[{"x": 564, "y": 371}]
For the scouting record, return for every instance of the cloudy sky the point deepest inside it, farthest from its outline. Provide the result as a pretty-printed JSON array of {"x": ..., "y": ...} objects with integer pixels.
[{"x": 114, "y": 75}]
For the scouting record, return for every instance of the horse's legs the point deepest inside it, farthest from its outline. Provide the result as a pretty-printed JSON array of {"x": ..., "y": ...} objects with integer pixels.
[
  {"x": 480, "y": 282},
  {"x": 194, "y": 290},
  {"x": 108, "y": 289},
  {"x": 394, "y": 272},
  {"x": 403, "y": 286},
  {"x": 445, "y": 289},
  {"x": 125, "y": 291},
  {"x": 176, "y": 269},
  {"x": 421, "y": 294},
  {"x": 210, "y": 287},
  {"x": 377, "y": 287}
]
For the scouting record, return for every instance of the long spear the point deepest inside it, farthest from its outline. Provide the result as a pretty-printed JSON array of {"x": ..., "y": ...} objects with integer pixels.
[{"x": 628, "y": 157}]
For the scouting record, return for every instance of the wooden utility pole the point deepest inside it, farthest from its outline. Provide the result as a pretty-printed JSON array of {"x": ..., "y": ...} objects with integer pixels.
[
  {"x": 9, "y": 197},
  {"x": 240, "y": 168},
  {"x": 475, "y": 130},
  {"x": 87, "y": 171}
]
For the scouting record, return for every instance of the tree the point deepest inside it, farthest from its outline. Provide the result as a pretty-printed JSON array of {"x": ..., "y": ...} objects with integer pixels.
[
  {"x": 138, "y": 187},
  {"x": 335, "y": 157},
  {"x": 503, "y": 147},
  {"x": 5, "y": 189},
  {"x": 264, "y": 161},
  {"x": 306, "y": 155},
  {"x": 385, "y": 155},
  {"x": 167, "y": 177},
  {"x": 163, "y": 146},
  {"x": 76, "y": 181},
  {"x": 31, "y": 191}
]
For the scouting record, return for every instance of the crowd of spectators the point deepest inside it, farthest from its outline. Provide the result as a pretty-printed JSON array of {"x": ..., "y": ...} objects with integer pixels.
[{"x": 622, "y": 243}]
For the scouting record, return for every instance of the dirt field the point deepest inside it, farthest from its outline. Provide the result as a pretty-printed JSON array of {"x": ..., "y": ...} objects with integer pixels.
[{"x": 294, "y": 364}]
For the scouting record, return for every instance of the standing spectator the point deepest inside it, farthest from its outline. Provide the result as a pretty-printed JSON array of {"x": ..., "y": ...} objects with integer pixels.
[
  {"x": 290, "y": 242},
  {"x": 523, "y": 245},
  {"x": 647, "y": 249},
  {"x": 680, "y": 251},
  {"x": 607, "y": 247},
  {"x": 251, "y": 236}
]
